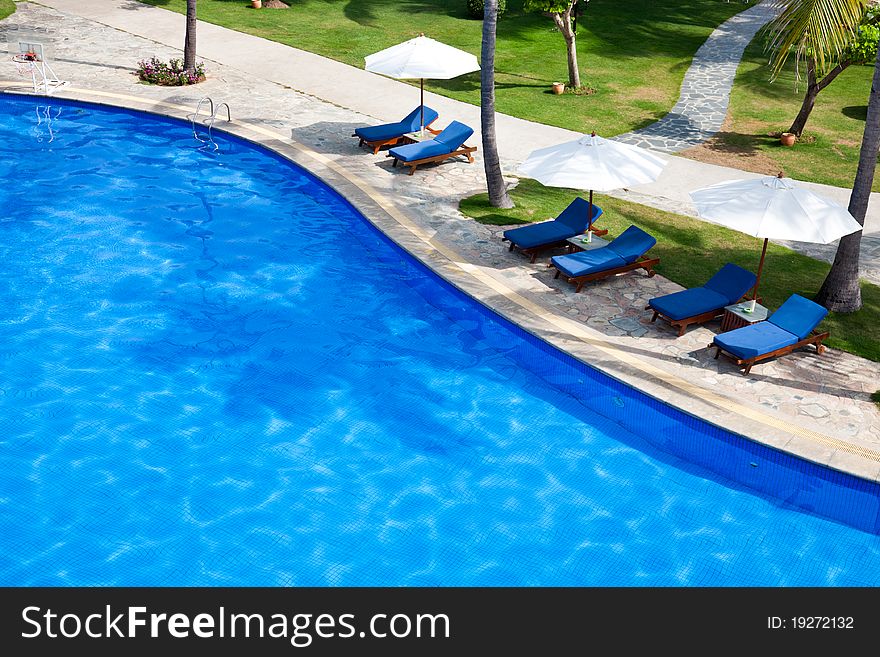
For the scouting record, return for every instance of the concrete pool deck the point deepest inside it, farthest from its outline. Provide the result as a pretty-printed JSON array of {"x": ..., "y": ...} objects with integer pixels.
[{"x": 815, "y": 406}]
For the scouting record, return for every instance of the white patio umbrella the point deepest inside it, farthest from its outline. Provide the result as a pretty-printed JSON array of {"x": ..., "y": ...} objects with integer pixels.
[
  {"x": 421, "y": 58},
  {"x": 592, "y": 163},
  {"x": 773, "y": 207}
]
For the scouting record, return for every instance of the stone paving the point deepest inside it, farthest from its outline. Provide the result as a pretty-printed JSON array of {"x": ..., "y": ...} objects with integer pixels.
[
  {"x": 702, "y": 105},
  {"x": 818, "y": 407}
]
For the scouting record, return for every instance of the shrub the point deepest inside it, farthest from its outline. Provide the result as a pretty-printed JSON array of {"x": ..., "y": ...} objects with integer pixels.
[
  {"x": 475, "y": 8},
  {"x": 171, "y": 74}
]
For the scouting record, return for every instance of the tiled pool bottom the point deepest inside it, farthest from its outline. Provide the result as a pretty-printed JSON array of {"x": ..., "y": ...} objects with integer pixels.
[{"x": 247, "y": 385}]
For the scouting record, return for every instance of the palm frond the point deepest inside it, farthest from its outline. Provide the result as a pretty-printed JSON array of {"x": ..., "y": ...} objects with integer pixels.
[{"x": 817, "y": 29}]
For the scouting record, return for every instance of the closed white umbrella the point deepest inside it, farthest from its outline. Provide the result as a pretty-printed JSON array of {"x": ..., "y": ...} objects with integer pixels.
[
  {"x": 592, "y": 163},
  {"x": 774, "y": 207},
  {"x": 421, "y": 58}
]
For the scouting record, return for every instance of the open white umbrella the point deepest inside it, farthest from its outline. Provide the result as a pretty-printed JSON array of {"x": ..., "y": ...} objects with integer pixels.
[
  {"x": 773, "y": 207},
  {"x": 421, "y": 58},
  {"x": 592, "y": 163}
]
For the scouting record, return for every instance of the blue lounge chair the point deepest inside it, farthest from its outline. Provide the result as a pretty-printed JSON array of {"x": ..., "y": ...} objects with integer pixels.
[
  {"x": 701, "y": 304},
  {"x": 534, "y": 238},
  {"x": 376, "y": 136},
  {"x": 448, "y": 143},
  {"x": 792, "y": 326},
  {"x": 624, "y": 253}
]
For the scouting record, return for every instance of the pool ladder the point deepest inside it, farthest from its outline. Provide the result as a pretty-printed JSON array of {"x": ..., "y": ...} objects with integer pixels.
[{"x": 208, "y": 120}]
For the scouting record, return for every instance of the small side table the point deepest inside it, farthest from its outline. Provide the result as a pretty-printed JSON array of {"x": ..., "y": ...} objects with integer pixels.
[
  {"x": 735, "y": 317},
  {"x": 579, "y": 243},
  {"x": 417, "y": 136}
]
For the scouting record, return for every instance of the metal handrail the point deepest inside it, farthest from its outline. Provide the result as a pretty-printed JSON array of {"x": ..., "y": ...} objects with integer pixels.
[
  {"x": 228, "y": 111},
  {"x": 210, "y": 123},
  {"x": 209, "y": 120}
]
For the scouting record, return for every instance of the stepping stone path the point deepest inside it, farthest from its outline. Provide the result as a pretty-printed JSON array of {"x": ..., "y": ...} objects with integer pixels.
[{"x": 705, "y": 91}]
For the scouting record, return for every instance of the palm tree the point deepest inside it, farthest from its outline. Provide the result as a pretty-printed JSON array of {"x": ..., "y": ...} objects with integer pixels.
[
  {"x": 189, "y": 42},
  {"x": 840, "y": 290},
  {"x": 498, "y": 196},
  {"x": 819, "y": 33}
]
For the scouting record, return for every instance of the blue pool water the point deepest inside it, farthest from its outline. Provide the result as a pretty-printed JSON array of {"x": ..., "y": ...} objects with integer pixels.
[{"x": 215, "y": 372}]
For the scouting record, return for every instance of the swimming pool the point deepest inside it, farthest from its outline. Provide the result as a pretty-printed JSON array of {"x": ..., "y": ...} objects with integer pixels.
[{"x": 216, "y": 372}]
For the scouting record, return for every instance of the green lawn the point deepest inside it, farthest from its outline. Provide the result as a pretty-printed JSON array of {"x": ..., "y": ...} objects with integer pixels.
[
  {"x": 7, "y": 7},
  {"x": 691, "y": 250},
  {"x": 829, "y": 150},
  {"x": 634, "y": 54}
]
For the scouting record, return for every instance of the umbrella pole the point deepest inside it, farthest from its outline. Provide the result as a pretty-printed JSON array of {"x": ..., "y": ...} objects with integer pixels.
[
  {"x": 590, "y": 213},
  {"x": 422, "y": 104},
  {"x": 760, "y": 267}
]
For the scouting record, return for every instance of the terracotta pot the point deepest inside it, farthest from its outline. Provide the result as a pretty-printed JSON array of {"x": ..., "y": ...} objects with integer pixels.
[
  {"x": 558, "y": 87},
  {"x": 256, "y": 4},
  {"x": 787, "y": 138}
]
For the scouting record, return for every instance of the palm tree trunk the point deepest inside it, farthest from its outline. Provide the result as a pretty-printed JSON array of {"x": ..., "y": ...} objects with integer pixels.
[
  {"x": 189, "y": 43},
  {"x": 498, "y": 196},
  {"x": 840, "y": 291}
]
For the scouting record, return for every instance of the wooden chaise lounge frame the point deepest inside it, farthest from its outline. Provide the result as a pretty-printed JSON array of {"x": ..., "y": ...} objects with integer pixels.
[
  {"x": 684, "y": 322},
  {"x": 644, "y": 262},
  {"x": 815, "y": 338},
  {"x": 413, "y": 164},
  {"x": 534, "y": 251},
  {"x": 377, "y": 144}
]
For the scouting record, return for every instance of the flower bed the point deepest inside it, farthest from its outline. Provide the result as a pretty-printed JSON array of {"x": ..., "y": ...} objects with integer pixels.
[{"x": 171, "y": 74}]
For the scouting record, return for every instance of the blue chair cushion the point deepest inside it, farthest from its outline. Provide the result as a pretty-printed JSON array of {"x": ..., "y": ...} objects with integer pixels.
[
  {"x": 532, "y": 235},
  {"x": 754, "y": 340},
  {"x": 410, "y": 123},
  {"x": 454, "y": 135},
  {"x": 798, "y": 315},
  {"x": 731, "y": 282},
  {"x": 419, "y": 150},
  {"x": 382, "y": 132},
  {"x": 575, "y": 215},
  {"x": 687, "y": 303},
  {"x": 587, "y": 262},
  {"x": 571, "y": 221},
  {"x": 413, "y": 120},
  {"x": 631, "y": 243}
]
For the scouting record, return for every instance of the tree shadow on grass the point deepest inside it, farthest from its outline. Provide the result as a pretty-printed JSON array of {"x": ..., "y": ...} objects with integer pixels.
[
  {"x": 740, "y": 144},
  {"x": 858, "y": 112},
  {"x": 363, "y": 12}
]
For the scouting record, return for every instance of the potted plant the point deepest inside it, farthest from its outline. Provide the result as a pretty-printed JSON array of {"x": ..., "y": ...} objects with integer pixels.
[
  {"x": 558, "y": 87},
  {"x": 256, "y": 4},
  {"x": 787, "y": 138}
]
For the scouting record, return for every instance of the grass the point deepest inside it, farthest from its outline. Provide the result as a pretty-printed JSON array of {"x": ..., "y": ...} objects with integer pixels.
[
  {"x": 691, "y": 250},
  {"x": 7, "y": 7},
  {"x": 759, "y": 110},
  {"x": 635, "y": 57}
]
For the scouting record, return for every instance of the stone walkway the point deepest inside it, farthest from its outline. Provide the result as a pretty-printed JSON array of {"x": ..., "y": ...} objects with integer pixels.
[
  {"x": 705, "y": 91},
  {"x": 817, "y": 407}
]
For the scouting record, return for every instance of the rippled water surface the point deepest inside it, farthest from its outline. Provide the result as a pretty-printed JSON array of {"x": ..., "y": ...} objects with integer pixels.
[{"x": 213, "y": 371}]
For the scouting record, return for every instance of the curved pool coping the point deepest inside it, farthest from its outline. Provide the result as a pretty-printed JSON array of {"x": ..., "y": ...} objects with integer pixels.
[{"x": 563, "y": 333}]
